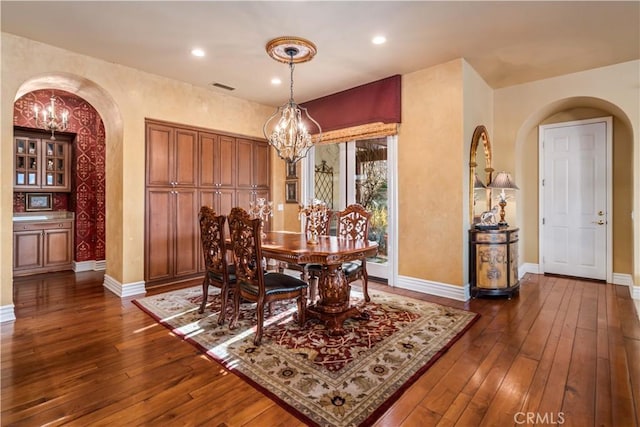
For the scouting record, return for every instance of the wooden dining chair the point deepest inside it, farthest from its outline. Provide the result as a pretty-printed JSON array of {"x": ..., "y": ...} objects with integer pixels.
[
  {"x": 310, "y": 272},
  {"x": 217, "y": 271},
  {"x": 253, "y": 283},
  {"x": 353, "y": 224}
]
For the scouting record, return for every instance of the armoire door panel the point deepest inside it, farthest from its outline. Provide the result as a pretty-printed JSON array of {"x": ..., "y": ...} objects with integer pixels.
[
  {"x": 208, "y": 171},
  {"x": 160, "y": 232},
  {"x": 226, "y": 201},
  {"x": 226, "y": 161},
  {"x": 261, "y": 164},
  {"x": 244, "y": 170},
  {"x": 186, "y": 158},
  {"x": 160, "y": 149},
  {"x": 187, "y": 236},
  {"x": 244, "y": 198}
]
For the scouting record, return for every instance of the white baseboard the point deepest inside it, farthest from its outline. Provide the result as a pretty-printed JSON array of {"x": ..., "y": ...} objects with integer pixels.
[
  {"x": 7, "y": 313},
  {"x": 126, "y": 290},
  {"x": 528, "y": 267},
  {"x": 446, "y": 290},
  {"x": 622, "y": 279},
  {"x": 91, "y": 265}
]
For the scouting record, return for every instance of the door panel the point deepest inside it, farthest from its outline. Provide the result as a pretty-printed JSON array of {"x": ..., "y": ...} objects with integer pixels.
[
  {"x": 187, "y": 237},
  {"x": 159, "y": 233},
  {"x": 261, "y": 164},
  {"x": 244, "y": 177},
  {"x": 159, "y": 154},
  {"x": 57, "y": 247},
  {"x": 208, "y": 170},
  {"x": 186, "y": 155},
  {"x": 575, "y": 200},
  {"x": 226, "y": 161},
  {"x": 27, "y": 249}
]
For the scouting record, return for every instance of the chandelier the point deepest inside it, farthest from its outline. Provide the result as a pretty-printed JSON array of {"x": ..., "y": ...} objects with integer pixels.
[
  {"x": 286, "y": 130},
  {"x": 50, "y": 118}
]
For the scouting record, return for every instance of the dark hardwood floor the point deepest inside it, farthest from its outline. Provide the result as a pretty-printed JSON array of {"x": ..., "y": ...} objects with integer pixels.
[{"x": 564, "y": 352}]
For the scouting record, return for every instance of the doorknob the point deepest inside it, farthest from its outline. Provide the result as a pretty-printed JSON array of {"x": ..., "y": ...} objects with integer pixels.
[
  {"x": 601, "y": 222},
  {"x": 600, "y": 213}
]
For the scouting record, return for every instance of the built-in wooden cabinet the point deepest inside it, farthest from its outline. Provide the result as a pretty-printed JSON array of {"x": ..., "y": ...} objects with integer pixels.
[
  {"x": 187, "y": 168},
  {"x": 172, "y": 245},
  {"x": 41, "y": 164},
  {"x": 253, "y": 171},
  {"x": 42, "y": 246},
  {"x": 171, "y": 157},
  {"x": 218, "y": 171}
]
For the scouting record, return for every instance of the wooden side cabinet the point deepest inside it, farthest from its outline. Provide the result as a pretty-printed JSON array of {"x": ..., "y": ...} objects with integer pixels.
[
  {"x": 493, "y": 258},
  {"x": 42, "y": 247}
]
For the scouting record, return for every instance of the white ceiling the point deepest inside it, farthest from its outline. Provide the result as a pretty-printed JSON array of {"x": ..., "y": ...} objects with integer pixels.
[{"x": 507, "y": 43}]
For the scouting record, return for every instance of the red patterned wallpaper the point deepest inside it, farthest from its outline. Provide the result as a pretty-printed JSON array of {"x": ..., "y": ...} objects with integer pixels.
[{"x": 87, "y": 197}]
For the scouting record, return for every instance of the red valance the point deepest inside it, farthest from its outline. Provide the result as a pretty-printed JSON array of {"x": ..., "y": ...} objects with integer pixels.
[{"x": 378, "y": 101}]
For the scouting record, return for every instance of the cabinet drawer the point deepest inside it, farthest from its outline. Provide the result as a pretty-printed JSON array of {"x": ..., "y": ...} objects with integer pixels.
[
  {"x": 41, "y": 225},
  {"x": 491, "y": 238}
]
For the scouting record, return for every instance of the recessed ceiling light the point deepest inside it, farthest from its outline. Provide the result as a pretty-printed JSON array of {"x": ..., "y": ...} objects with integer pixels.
[
  {"x": 378, "y": 40},
  {"x": 197, "y": 52},
  {"x": 276, "y": 81}
]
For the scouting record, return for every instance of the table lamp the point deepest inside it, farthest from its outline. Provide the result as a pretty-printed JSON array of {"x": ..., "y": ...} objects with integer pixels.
[{"x": 503, "y": 181}]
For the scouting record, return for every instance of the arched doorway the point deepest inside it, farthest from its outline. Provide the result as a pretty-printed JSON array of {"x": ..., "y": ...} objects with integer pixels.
[
  {"x": 86, "y": 198},
  {"x": 111, "y": 116},
  {"x": 527, "y": 158}
]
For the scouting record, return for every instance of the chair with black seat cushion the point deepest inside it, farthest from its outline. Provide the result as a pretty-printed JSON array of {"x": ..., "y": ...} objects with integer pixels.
[
  {"x": 217, "y": 271},
  {"x": 321, "y": 222},
  {"x": 253, "y": 284},
  {"x": 353, "y": 224}
]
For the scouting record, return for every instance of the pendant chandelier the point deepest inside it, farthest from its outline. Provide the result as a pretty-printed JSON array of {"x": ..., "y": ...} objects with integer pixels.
[
  {"x": 50, "y": 118},
  {"x": 287, "y": 130}
]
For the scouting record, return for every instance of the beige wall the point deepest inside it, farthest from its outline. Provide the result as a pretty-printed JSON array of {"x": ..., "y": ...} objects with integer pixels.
[
  {"x": 431, "y": 179},
  {"x": 124, "y": 97},
  {"x": 608, "y": 91},
  {"x": 478, "y": 110}
]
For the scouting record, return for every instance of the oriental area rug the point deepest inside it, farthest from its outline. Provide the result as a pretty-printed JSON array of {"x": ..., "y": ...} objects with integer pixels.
[{"x": 348, "y": 380}]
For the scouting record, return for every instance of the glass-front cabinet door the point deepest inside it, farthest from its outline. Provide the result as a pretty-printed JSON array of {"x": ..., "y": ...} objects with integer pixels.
[
  {"x": 41, "y": 164},
  {"x": 55, "y": 171},
  {"x": 27, "y": 161}
]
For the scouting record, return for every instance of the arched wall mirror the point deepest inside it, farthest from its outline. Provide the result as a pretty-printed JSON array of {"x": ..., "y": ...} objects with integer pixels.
[{"x": 480, "y": 174}]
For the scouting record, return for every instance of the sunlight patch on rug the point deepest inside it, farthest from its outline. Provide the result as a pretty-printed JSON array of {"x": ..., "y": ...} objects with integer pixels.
[{"x": 330, "y": 381}]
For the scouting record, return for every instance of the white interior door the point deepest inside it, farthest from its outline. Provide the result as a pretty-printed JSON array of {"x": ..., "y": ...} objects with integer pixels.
[{"x": 575, "y": 199}]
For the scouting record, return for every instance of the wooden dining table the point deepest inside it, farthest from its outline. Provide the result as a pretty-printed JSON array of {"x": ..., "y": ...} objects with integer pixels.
[{"x": 333, "y": 306}]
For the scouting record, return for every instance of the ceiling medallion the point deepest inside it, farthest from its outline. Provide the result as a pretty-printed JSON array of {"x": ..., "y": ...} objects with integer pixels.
[{"x": 281, "y": 49}]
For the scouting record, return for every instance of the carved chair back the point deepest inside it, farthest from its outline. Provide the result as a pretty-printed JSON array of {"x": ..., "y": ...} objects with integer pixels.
[
  {"x": 246, "y": 247},
  {"x": 212, "y": 236},
  {"x": 353, "y": 222}
]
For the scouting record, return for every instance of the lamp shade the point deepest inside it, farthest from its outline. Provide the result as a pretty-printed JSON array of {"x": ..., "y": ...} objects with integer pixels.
[
  {"x": 477, "y": 183},
  {"x": 503, "y": 180}
]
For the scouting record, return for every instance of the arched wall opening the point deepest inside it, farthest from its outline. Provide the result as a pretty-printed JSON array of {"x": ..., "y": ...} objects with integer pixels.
[
  {"x": 111, "y": 117},
  {"x": 527, "y": 165},
  {"x": 86, "y": 198}
]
